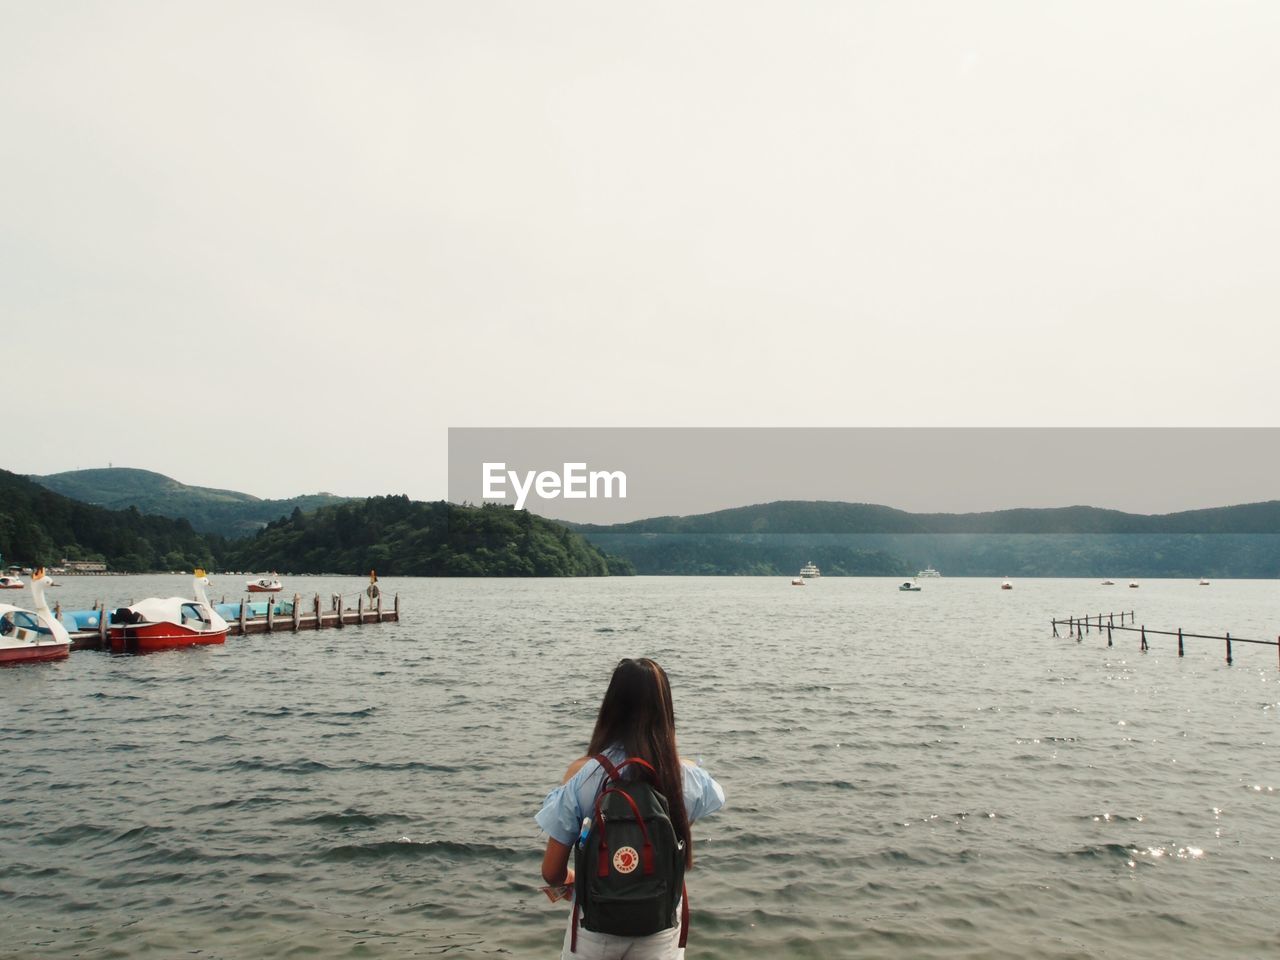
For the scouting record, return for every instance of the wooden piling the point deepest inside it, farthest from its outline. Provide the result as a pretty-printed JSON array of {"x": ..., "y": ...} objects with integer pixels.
[
  {"x": 243, "y": 611},
  {"x": 297, "y": 612},
  {"x": 360, "y": 608},
  {"x": 1108, "y": 634},
  {"x": 339, "y": 606},
  {"x": 1228, "y": 649},
  {"x": 319, "y": 618},
  {"x": 397, "y": 602},
  {"x": 271, "y": 616},
  {"x": 104, "y": 619},
  {"x": 1143, "y": 645},
  {"x": 1179, "y": 641}
]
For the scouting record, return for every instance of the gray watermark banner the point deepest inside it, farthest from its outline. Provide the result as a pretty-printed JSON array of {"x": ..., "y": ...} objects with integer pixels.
[{"x": 616, "y": 475}]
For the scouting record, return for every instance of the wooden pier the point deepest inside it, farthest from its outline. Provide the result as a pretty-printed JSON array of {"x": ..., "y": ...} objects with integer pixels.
[
  {"x": 305, "y": 616},
  {"x": 1077, "y": 627}
]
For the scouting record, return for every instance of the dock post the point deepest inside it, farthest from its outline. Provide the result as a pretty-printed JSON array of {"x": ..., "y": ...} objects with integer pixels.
[
  {"x": 1108, "y": 634},
  {"x": 378, "y": 608},
  {"x": 1228, "y": 649},
  {"x": 271, "y": 616},
  {"x": 1052, "y": 623},
  {"x": 397, "y": 608},
  {"x": 243, "y": 605},
  {"x": 1143, "y": 645},
  {"x": 103, "y": 619},
  {"x": 338, "y": 597},
  {"x": 319, "y": 616},
  {"x": 360, "y": 609},
  {"x": 1079, "y": 632},
  {"x": 297, "y": 612},
  {"x": 1179, "y": 641}
]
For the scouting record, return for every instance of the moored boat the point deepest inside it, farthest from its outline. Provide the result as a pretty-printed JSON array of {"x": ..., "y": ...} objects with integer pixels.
[
  {"x": 167, "y": 623},
  {"x": 1108, "y": 583},
  {"x": 11, "y": 583},
  {"x": 30, "y": 636},
  {"x": 797, "y": 581},
  {"x": 1133, "y": 583},
  {"x": 908, "y": 587},
  {"x": 1204, "y": 582},
  {"x": 1006, "y": 584},
  {"x": 269, "y": 584}
]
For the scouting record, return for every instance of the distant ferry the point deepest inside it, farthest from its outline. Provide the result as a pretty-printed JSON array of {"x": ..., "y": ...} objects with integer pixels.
[
  {"x": 928, "y": 572},
  {"x": 809, "y": 570}
]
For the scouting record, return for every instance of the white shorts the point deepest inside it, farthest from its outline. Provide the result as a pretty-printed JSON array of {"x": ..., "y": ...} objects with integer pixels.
[{"x": 664, "y": 945}]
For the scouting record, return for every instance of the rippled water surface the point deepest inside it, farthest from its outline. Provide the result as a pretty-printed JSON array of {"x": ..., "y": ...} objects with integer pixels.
[{"x": 908, "y": 775}]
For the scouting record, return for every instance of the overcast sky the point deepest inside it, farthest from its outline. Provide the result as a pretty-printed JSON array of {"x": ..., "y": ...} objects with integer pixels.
[{"x": 234, "y": 234}]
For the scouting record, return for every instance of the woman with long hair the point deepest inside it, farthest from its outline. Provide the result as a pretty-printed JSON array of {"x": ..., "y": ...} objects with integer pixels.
[{"x": 636, "y": 720}]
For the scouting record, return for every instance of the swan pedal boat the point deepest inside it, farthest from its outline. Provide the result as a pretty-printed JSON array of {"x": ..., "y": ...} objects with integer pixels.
[
  {"x": 32, "y": 636},
  {"x": 167, "y": 623}
]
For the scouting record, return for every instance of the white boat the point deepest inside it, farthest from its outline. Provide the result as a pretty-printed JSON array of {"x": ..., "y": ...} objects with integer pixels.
[
  {"x": 269, "y": 584},
  {"x": 30, "y": 636},
  {"x": 11, "y": 583},
  {"x": 797, "y": 581},
  {"x": 1006, "y": 584},
  {"x": 1204, "y": 582},
  {"x": 1108, "y": 583},
  {"x": 1133, "y": 583},
  {"x": 809, "y": 570},
  {"x": 166, "y": 623},
  {"x": 908, "y": 587},
  {"x": 928, "y": 572}
]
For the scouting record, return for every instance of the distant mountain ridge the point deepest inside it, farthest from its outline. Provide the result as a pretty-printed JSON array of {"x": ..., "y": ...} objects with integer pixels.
[
  {"x": 837, "y": 517},
  {"x": 228, "y": 513}
]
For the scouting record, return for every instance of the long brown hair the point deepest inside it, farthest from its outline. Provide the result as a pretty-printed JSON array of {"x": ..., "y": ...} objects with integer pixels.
[{"x": 636, "y": 715}]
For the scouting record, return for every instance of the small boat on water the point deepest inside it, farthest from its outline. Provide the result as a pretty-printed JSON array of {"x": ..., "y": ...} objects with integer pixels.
[
  {"x": 797, "y": 581},
  {"x": 1108, "y": 583},
  {"x": 1204, "y": 582},
  {"x": 167, "y": 623},
  {"x": 32, "y": 636},
  {"x": 928, "y": 572},
  {"x": 809, "y": 570},
  {"x": 269, "y": 584},
  {"x": 908, "y": 587},
  {"x": 1133, "y": 584},
  {"x": 11, "y": 583},
  {"x": 1006, "y": 584}
]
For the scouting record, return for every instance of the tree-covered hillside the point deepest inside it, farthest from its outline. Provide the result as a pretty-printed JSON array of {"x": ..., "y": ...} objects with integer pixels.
[
  {"x": 225, "y": 512},
  {"x": 398, "y": 536},
  {"x": 38, "y": 526}
]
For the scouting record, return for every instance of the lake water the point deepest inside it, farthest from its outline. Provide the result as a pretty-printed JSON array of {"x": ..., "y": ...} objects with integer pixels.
[{"x": 909, "y": 775}]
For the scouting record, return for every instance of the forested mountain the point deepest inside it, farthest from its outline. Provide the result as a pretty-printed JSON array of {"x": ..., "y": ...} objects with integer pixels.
[
  {"x": 399, "y": 536},
  {"x": 868, "y": 539},
  {"x": 225, "y": 512},
  {"x": 38, "y": 526},
  {"x": 823, "y": 516}
]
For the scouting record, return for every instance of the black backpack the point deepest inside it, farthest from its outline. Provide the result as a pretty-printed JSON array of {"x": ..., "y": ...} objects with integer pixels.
[{"x": 629, "y": 867}]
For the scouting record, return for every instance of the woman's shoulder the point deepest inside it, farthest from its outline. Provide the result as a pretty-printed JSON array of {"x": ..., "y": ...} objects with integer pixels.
[{"x": 575, "y": 768}]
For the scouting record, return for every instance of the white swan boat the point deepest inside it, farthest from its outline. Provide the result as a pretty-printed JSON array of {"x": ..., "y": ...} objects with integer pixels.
[
  {"x": 166, "y": 623},
  {"x": 28, "y": 636}
]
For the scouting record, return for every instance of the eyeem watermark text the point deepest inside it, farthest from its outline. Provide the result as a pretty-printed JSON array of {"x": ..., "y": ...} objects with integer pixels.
[{"x": 576, "y": 482}]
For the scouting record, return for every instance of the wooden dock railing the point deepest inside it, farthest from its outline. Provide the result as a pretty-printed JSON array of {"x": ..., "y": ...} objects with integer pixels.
[{"x": 1077, "y": 627}]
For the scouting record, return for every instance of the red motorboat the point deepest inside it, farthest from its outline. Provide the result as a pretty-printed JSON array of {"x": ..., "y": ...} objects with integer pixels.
[
  {"x": 167, "y": 623},
  {"x": 30, "y": 636},
  {"x": 269, "y": 584}
]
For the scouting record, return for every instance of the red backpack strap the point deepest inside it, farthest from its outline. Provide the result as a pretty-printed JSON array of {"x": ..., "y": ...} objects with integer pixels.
[
  {"x": 684, "y": 917},
  {"x": 610, "y": 770},
  {"x": 637, "y": 761}
]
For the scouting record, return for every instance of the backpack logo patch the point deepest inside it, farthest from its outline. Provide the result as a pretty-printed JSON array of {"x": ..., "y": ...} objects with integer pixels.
[{"x": 626, "y": 859}]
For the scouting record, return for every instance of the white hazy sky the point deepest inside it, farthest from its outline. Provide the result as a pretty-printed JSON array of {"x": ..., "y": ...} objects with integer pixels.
[{"x": 234, "y": 227}]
